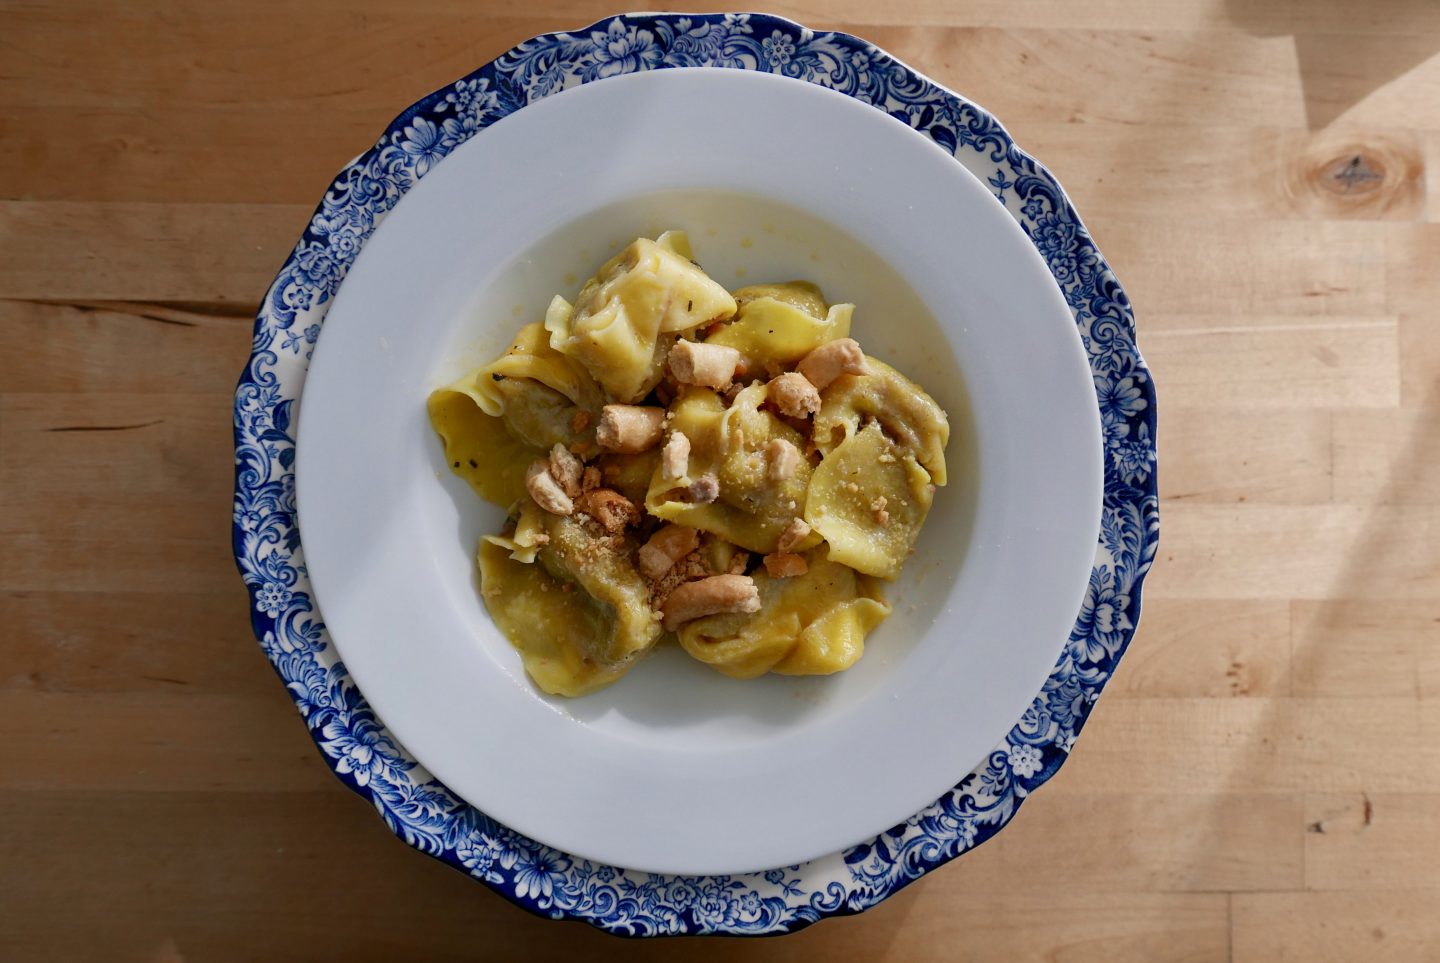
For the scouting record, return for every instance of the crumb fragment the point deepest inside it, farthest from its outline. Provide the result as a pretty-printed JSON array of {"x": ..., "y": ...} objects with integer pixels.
[
  {"x": 793, "y": 394},
  {"x": 877, "y": 508},
  {"x": 710, "y": 596},
  {"x": 667, "y": 546},
  {"x": 797, "y": 531},
  {"x": 610, "y": 508},
  {"x": 546, "y": 491},
  {"x": 783, "y": 457},
  {"x": 851, "y": 487},
  {"x": 675, "y": 457},
  {"x": 567, "y": 469},
  {"x": 784, "y": 565},
  {"x": 630, "y": 429},
  {"x": 831, "y": 360},
  {"x": 707, "y": 365},
  {"x": 590, "y": 480},
  {"x": 580, "y": 421},
  {"x": 886, "y": 458},
  {"x": 739, "y": 562}
]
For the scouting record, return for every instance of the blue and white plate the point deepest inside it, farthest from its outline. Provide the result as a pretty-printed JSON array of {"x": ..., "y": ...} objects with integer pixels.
[{"x": 779, "y": 164}]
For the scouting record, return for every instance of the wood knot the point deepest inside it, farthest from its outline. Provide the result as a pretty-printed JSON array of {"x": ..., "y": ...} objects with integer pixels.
[
  {"x": 1345, "y": 176},
  {"x": 1356, "y": 174}
]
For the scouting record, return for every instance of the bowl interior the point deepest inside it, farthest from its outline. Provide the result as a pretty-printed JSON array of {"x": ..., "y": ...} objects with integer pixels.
[{"x": 773, "y": 179}]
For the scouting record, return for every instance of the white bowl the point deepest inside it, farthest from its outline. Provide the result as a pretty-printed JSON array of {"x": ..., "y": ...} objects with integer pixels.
[{"x": 677, "y": 769}]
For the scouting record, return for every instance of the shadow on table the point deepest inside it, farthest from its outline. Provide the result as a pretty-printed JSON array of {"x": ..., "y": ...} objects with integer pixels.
[{"x": 1340, "y": 68}]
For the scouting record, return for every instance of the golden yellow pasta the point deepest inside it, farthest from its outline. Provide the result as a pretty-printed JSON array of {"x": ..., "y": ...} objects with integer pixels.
[{"x": 749, "y": 489}]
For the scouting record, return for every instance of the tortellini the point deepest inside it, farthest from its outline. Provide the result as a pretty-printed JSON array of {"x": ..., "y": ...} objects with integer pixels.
[
  {"x": 753, "y": 509},
  {"x": 772, "y": 335},
  {"x": 746, "y": 497},
  {"x": 628, "y": 314},
  {"x": 868, "y": 499},
  {"x": 812, "y": 624}
]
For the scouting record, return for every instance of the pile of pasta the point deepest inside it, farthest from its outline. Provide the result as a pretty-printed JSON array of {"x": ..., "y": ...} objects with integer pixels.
[{"x": 728, "y": 468}]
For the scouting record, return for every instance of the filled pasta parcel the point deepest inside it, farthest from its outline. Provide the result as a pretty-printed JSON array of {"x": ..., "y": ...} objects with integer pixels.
[{"x": 680, "y": 464}]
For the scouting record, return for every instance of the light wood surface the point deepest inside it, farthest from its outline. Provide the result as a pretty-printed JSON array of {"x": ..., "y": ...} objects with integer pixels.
[{"x": 1260, "y": 782}]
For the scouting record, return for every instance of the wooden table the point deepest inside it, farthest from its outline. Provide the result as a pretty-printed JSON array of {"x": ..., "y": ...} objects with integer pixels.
[{"x": 1262, "y": 779}]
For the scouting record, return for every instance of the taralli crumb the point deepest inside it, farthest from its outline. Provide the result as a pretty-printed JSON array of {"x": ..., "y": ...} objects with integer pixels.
[
  {"x": 739, "y": 562},
  {"x": 793, "y": 395},
  {"x": 580, "y": 421},
  {"x": 590, "y": 480},
  {"x": 785, "y": 566},
  {"x": 886, "y": 458},
  {"x": 630, "y": 429},
  {"x": 567, "y": 469},
  {"x": 710, "y": 596},
  {"x": 797, "y": 531},
  {"x": 707, "y": 365},
  {"x": 782, "y": 459},
  {"x": 675, "y": 457},
  {"x": 877, "y": 508},
  {"x": 831, "y": 360},
  {"x": 610, "y": 508},
  {"x": 668, "y": 545},
  {"x": 546, "y": 491}
]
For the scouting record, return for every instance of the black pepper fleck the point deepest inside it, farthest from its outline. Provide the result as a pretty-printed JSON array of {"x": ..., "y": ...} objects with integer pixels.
[
  {"x": 689, "y": 305},
  {"x": 474, "y": 464},
  {"x": 456, "y": 465},
  {"x": 495, "y": 376}
]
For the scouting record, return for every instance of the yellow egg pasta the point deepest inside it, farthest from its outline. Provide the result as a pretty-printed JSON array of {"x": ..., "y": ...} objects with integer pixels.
[{"x": 750, "y": 493}]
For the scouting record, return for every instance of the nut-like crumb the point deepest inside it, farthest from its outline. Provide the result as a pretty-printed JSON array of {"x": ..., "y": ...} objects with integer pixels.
[
  {"x": 610, "y": 508},
  {"x": 710, "y": 596},
  {"x": 831, "y": 360},
  {"x": 667, "y": 546},
  {"x": 783, "y": 459},
  {"x": 630, "y": 429},
  {"x": 707, "y": 365},
  {"x": 797, "y": 531},
  {"x": 675, "y": 457},
  {"x": 794, "y": 395},
  {"x": 785, "y": 565},
  {"x": 546, "y": 491},
  {"x": 567, "y": 469}
]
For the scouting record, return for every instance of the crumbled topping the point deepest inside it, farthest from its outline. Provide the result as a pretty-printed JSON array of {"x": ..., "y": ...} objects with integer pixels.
[
  {"x": 877, "y": 507},
  {"x": 675, "y": 457},
  {"x": 781, "y": 565},
  {"x": 784, "y": 459},
  {"x": 832, "y": 359},
  {"x": 707, "y": 365},
  {"x": 797, "y": 531},
  {"x": 630, "y": 429},
  {"x": 567, "y": 469},
  {"x": 546, "y": 491},
  {"x": 667, "y": 546},
  {"x": 710, "y": 596},
  {"x": 793, "y": 395},
  {"x": 610, "y": 508}
]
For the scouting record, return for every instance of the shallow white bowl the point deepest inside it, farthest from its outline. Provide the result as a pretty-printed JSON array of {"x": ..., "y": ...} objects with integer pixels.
[{"x": 677, "y": 769}]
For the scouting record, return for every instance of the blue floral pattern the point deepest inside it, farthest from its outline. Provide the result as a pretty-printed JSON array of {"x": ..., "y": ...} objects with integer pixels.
[{"x": 413, "y": 803}]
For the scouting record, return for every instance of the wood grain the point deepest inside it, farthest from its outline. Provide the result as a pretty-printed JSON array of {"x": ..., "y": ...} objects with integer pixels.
[{"x": 1261, "y": 780}]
